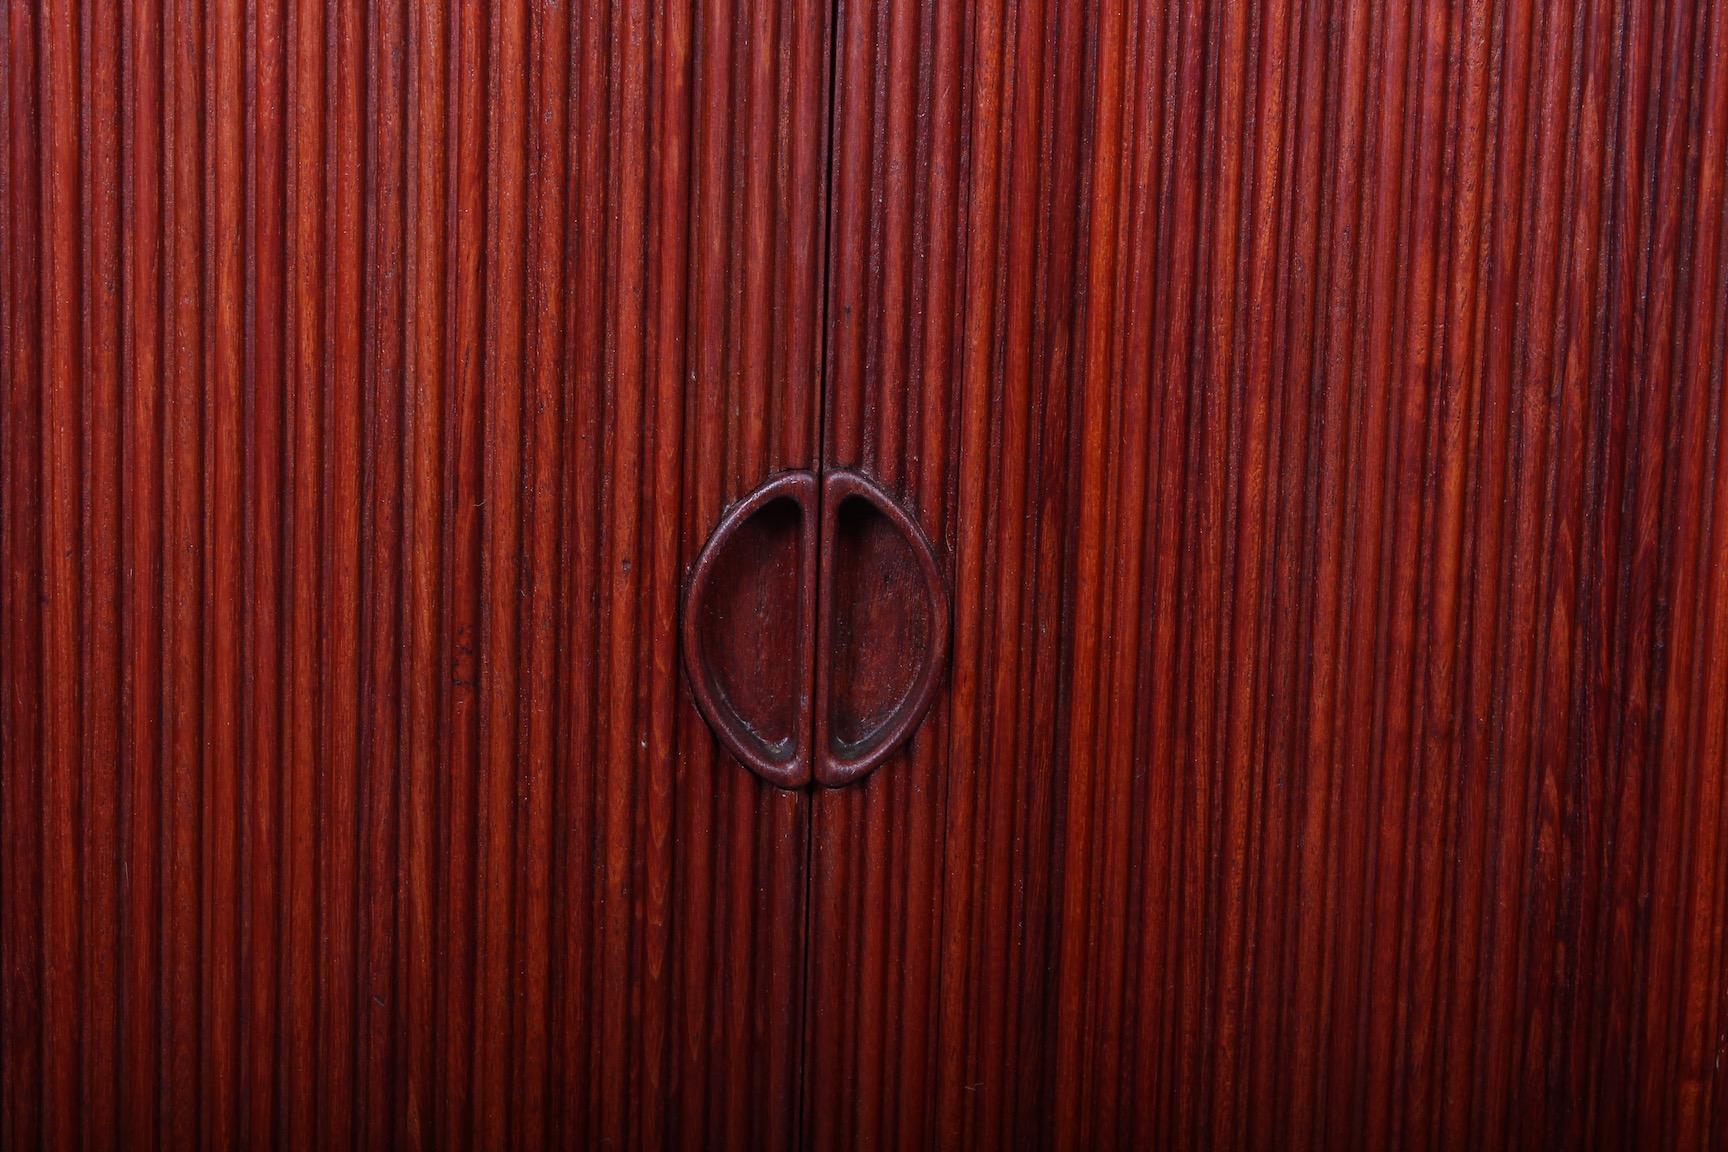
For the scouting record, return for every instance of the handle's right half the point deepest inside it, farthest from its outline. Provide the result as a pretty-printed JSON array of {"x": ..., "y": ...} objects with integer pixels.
[{"x": 882, "y": 628}]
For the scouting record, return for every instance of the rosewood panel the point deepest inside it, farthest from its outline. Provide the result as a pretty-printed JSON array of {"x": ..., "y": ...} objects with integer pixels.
[
  {"x": 1319, "y": 409},
  {"x": 372, "y": 374}
]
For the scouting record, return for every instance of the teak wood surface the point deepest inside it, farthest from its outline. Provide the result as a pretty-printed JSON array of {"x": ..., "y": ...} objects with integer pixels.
[{"x": 1317, "y": 411}]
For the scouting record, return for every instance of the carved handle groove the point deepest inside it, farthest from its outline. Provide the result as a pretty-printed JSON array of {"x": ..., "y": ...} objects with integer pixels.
[
  {"x": 882, "y": 629},
  {"x": 749, "y": 627}
]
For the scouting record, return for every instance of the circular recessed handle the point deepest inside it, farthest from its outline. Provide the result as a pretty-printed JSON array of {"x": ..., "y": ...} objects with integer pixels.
[
  {"x": 882, "y": 629},
  {"x": 748, "y": 628}
]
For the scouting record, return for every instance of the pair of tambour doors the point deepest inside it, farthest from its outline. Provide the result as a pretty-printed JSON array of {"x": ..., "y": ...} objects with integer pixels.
[
  {"x": 1232, "y": 649},
  {"x": 376, "y": 375}
]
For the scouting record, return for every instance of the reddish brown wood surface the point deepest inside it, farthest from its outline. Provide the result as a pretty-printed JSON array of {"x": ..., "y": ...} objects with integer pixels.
[
  {"x": 1319, "y": 409},
  {"x": 1316, "y": 408},
  {"x": 373, "y": 372}
]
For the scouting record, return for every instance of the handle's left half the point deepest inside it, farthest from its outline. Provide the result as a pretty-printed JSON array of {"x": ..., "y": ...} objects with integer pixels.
[{"x": 749, "y": 628}]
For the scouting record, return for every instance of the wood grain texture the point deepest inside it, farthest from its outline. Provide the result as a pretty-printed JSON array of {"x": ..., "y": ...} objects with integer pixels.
[
  {"x": 350, "y": 796},
  {"x": 1318, "y": 406}
]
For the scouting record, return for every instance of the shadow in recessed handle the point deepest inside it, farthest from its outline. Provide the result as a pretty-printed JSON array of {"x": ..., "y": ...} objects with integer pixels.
[
  {"x": 749, "y": 624},
  {"x": 882, "y": 630}
]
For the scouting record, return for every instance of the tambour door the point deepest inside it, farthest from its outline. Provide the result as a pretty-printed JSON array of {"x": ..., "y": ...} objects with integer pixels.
[
  {"x": 1317, "y": 410},
  {"x": 373, "y": 373}
]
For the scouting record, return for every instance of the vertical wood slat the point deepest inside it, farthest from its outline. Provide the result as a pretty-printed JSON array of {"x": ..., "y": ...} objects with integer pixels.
[
  {"x": 349, "y": 349},
  {"x": 23, "y": 660}
]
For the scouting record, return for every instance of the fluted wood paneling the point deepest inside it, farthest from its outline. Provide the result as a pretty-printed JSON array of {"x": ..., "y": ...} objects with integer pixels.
[
  {"x": 1319, "y": 405},
  {"x": 372, "y": 372},
  {"x": 1316, "y": 407}
]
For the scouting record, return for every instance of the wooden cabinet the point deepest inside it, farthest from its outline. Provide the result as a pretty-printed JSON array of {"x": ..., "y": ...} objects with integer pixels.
[{"x": 1287, "y": 435}]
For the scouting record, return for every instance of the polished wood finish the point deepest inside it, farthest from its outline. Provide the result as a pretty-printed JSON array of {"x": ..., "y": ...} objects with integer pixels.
[
  {"x": 372, "y": 376},
  {"x": 1315, "y": 409},
  {"x": 1318, "y": 410}
]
